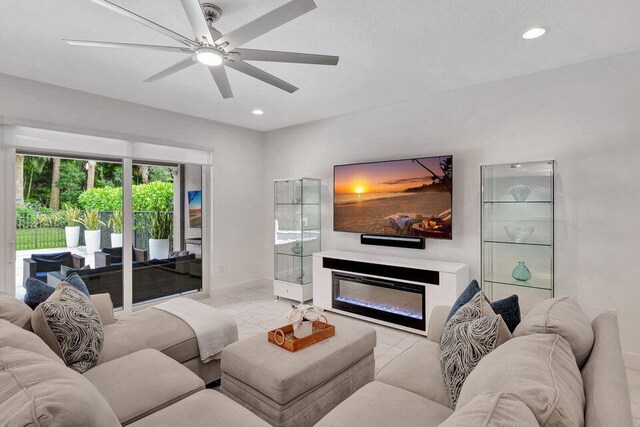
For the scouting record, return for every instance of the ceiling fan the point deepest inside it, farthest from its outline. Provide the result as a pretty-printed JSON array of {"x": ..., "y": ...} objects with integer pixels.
[{"x": 211, "y": 48}]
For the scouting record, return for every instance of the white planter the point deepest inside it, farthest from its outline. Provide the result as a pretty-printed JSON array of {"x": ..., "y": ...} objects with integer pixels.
[
  {"x": 92, "y": 240},
  {"x": 116, "y": 240},
  {"x": 158, "y": 248},
  {"x": 72, "y": 235},
  {"x": 304, "y": 329}
]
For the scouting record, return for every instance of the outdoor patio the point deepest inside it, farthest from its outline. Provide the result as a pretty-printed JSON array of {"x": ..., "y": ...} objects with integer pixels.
[{"x": 21, "y": 255}]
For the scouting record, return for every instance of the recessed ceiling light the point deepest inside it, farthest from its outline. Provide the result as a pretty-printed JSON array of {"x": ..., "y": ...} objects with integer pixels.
[
  {"x": 534, "y": 33},
  {"x": 258, "y": 112}
]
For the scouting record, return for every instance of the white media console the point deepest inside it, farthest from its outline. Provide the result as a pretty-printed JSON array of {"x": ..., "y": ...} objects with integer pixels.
[{"x": 393, "y": 291}]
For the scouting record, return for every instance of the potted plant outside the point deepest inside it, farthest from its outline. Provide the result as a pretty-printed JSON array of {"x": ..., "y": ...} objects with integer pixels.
[
  {"x": 92, "y": 223},
  {"x": 71, "y": 230},
  {"x": 159, "y": 232},
  {"x": 115, "y": 223}
]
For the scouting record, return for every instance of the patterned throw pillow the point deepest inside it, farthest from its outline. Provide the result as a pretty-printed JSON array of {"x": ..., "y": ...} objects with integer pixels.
[
  {"x": 473, "y": 332},
  {"x": 70, "y": 324}
]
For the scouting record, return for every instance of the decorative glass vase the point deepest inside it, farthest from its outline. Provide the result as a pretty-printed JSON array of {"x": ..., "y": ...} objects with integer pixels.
[
  {"x": 296, "y": 248},
  {"x": 521, "y": 272},
  {"x": 520, "y": 192}
]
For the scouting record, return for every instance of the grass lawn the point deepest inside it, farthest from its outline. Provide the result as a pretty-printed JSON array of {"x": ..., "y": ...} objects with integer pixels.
[{"x": 47, "y": 238}]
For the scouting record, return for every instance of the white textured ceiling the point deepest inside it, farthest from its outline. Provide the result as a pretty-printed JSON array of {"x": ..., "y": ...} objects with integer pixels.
[{"x": 390, "y": 51}]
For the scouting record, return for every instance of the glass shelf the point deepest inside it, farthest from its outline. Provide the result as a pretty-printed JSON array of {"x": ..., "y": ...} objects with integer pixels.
[
  {"x": 297, "y": 204},
  {"x": 518, "y": 243},
  {"x": 294, "y": 255},
  {"x": 514, "y": 202},
  {"x": 517, "y": 208},
  {"x": 531, "y": 283}
]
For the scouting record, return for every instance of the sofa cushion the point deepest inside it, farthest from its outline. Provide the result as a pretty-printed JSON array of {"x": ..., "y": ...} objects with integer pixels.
[
  {"x": 471, "y": 333},
  {"x": 508, "y": 308},
  {"x": 15, "y": 311},
  {"x": 142, "y": 383},
  {"x": 37, "y": 391},
  {"x": 493, "y": 410},
  {"x": 540, "y": 370},
  {"x": 379, "y": 405},
  {"x": 605, "y": 380},
  {"x": 207, "y": 408},
  {"x": 283, "y": 376},
  {"x": 149, "y": 328},
  {"x": 76, "y": 281},
  {"x": 562, "y": 316},
  {"x": 418, "y": 371},
  {"x": 37, "y": 291},
  {"x": 13, "y": 336},
  {"x": 70, "y": 324}
]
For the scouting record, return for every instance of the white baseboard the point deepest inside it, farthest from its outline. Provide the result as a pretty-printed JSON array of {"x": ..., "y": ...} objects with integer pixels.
[
  {"x": 231, "y": 289},
  {"x": 631, "y": 360}
]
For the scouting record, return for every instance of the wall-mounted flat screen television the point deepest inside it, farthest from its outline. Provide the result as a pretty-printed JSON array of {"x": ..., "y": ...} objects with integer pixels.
[{"x": 410, "y": 197}]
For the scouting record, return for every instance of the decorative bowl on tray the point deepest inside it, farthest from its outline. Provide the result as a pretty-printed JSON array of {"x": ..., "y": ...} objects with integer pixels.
[{"x": 519, "y": 233}]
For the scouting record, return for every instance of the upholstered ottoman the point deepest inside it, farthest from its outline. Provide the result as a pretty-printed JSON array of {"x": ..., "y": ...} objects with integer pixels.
[{"x": 298, "y": 389}]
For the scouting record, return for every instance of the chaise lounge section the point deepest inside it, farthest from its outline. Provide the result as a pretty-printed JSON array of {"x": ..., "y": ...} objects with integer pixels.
[{"x": 410, "y": 391}]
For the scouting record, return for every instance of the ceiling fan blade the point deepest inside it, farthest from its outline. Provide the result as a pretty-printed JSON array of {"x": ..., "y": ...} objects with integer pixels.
[
  {"x": 126, "y": 45},
  {"x": 257, "y": 73},
  {"x": 220, "y": 76},
  {"x": 144, "y": 21},
  {"x": 185, "y": 63},
  {"x": 197, "y": 20},
  {"x": 265, "y": 23},
  {"x": 276, "y": 56}
]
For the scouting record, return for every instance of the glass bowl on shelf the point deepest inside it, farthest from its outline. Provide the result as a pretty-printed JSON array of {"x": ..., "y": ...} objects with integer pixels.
[{"x": 519, "y": 233}]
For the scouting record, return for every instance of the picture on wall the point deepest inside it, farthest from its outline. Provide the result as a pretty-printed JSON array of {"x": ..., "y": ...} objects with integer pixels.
[
  {"x": 195, "y": 209},
  {"x": 410, "y": 197}
]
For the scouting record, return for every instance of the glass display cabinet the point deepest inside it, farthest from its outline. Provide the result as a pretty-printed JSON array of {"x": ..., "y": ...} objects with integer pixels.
[
  {"x": 518, "y": 231},
  {"x": 297, "y": 236}
]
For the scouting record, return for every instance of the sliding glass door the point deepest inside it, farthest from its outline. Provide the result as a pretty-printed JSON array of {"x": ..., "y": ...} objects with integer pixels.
[
  {"x": 130, "y": 228},
  {"x": 167, "y": 230}
]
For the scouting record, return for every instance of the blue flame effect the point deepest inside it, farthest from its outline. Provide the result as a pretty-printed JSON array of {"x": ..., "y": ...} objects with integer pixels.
[{"x": 380, "y": 307}]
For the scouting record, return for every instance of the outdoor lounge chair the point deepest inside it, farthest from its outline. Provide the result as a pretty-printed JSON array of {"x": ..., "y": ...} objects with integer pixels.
[
  {"x": 113, "y": 256},
  {"x": 40, "y": 264}
]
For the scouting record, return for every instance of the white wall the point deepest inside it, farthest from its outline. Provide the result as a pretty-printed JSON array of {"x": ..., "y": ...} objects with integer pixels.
[
  {"x": 586, "y": 116},
  {"x": 237, "y": 168}
]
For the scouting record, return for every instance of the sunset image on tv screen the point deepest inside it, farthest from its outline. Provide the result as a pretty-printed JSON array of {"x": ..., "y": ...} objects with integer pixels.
[{"x": 409, "y": 197}]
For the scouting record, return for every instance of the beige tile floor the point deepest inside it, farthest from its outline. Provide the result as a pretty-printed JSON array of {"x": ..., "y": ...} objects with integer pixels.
[{"x": 256, "y": 311}]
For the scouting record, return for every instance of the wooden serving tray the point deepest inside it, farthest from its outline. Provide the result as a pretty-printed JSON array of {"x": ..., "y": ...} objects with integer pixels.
[{"x": 321, "y": 331}]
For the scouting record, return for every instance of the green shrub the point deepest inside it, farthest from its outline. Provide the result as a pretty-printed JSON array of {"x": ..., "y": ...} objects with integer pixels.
[
  {"x": 157, "y": 196},
  {"x": 103, "y": 199}
]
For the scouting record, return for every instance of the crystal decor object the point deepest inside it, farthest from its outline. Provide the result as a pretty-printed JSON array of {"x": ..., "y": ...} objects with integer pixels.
[
  {"x": 520, "y": 192},
  {"x": 521, "y": 272},
  {"x": 519, "y": 233}
]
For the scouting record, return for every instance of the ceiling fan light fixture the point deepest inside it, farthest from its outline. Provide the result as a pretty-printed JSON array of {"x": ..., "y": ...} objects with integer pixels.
[{"x": 209, "y": 56}]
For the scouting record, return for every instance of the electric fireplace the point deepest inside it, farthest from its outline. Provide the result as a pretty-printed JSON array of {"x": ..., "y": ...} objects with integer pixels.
[{"x": 386, "y": 300}]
